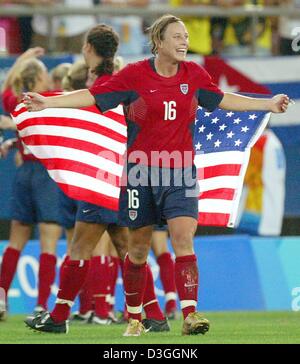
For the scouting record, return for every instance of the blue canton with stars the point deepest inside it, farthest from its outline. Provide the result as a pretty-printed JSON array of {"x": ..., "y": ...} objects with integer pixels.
[{"x": 224, "y": 130}]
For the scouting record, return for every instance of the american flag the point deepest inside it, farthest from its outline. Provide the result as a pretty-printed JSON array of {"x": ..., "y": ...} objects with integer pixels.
[
  {"x": 82, "y": 149},
  {"x": 222, "y": 141}
]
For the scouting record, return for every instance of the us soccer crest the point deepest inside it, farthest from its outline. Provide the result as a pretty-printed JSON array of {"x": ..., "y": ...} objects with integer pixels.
[
  {"x": 132, "y": 215},
  {"x": 184, "y": 87}
]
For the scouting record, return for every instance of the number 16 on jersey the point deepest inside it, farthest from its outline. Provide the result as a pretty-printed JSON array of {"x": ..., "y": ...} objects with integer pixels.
[{"x": 170, "y": 110}]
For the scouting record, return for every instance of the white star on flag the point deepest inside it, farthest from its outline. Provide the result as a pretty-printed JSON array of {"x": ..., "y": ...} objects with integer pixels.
[
  {"x": 209, "y": 136},
  {"x": 229, "y": 114},
  {"x": 245, "y": 129},
  {"x": 237, "y": 121},
  {"x": 207, "y": 114},
  {"x": 214, "y": 120},
  {"x": 237, "y": 143},
  {"x": 222, "y": 127},
  {"x": 230, "y": 135},
  {"x": 202, "y": 128},
  {"x": 252, "y": 117},
  {"x": 218, "y": 143},
  {"x": 198, "y": 146}
]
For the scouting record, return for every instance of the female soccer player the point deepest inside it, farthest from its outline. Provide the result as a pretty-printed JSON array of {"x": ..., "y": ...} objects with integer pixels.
[
  {"x": 35, "y": 195},
  {"x": 160, "y": 96},
  {"x": 92, "y": 220}
]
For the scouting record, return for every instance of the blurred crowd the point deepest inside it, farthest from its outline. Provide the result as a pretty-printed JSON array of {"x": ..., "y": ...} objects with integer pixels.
[{"x": 208, "y": 35}]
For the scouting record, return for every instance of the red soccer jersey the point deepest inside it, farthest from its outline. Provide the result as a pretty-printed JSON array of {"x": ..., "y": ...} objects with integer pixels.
[
  {"x": 9, "y": 100},
  {"x": 160, "y": 111},
  {"x": 101, "y": 79}
]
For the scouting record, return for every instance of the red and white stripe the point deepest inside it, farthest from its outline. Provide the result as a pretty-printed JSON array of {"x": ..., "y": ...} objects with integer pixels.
[
  {"x": 82, "y": 149},
  {"x": 220, "y": 181}
]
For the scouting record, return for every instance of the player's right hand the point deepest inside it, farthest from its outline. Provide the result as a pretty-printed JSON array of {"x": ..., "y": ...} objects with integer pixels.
[{"x": 34, "y": 101}]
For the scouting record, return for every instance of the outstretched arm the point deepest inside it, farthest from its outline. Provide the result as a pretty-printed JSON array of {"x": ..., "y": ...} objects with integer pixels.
[
  {"x": 276, "y": 104},
  {"x": 75, "y": 99},
  {"x": 30, "y": 53}
]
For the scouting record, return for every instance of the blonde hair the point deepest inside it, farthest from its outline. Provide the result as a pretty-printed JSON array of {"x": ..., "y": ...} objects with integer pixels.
[
  {"x": 158, "y": 28},
  {"x": 118, "y": 63},
  {"x": 59, "y": 72},
  {"x": 27, "y": 76},
  {"x": 76, "y": 77}
]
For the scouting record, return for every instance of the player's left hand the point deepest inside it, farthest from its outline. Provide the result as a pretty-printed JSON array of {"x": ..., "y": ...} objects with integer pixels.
[
  {"x": 279, "y": 103},
  {"x": 5, "y": 147}
]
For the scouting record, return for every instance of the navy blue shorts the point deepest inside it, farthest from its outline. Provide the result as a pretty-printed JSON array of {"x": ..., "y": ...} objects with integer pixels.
[
  {"x": 35, "y": 196},
  {"x": 68, "y": 208},
  {"x": 88, "y": 212},
  {"x": 154, "y": 195}
]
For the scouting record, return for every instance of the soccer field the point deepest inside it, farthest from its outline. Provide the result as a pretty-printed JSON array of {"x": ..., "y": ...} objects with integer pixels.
[{"x": 226, "y": 328}]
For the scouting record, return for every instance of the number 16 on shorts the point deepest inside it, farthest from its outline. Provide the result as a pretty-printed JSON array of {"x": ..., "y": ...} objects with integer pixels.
[{"x": 133, "y": 203}]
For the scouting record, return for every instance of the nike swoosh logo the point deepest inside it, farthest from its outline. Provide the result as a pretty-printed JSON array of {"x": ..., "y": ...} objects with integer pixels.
[
  {"x": 151, "y": 91},
  {"x": 130, "y": 294},
  {"x": 85, "y": 211},
  {"x": 39, "y": 326},
  {"x": 147, "y": 330},
  {"x": 190, "y": 285}
]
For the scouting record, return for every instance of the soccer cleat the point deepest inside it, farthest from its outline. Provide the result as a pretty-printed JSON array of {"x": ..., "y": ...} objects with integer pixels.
[
  {"x": 113, "y": 318},
  {"x": 101, "y": 321},
  {"x": 171, "y": 315},
  {"x": 195, "y": 324},
  {"x": 43, "y": 322},
  {"x": 82, "y": 318},
  {"x": 3, "y": 314},
  {"x": 134, "y": 328},
  {"x": 38, "y": 310},
  {"x": 152, "y": 325}
]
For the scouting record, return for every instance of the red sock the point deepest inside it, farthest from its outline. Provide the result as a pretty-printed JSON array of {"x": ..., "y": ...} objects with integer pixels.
[
  {"x": 86, "y": 294},
  {"x": 47, "y": 272},
  {"x": 135, "y": 277},
  {"x": 186, "y": 278},
  {"x": 125, "y": 313},
  {"x": 121, "y": 263},
  {"x": 73, "y": 277},
  {"x": 100, "y": 284},
  {"x": 66, "y": 259},
  {"x": 167, "y": 276},
  {"x": 114, "y": 270},
  {"x": 150, "y": 304},
  {"x": 8, "y": 267}
]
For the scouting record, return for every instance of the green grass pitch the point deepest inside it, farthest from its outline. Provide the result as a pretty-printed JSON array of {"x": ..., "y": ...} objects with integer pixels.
[{"x": 226, "y": 328}]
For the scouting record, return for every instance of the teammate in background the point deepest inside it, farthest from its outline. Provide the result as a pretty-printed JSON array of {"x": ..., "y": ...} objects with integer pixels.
[
  {"x": 160, "y": 112},
  {"x": 165, "y": 262},
  {"x": 91, "y": 309},
  {"x": 92, "y": 221},
  {"x": 35, "y": 195},
  {"x": 57, "y": 75}
]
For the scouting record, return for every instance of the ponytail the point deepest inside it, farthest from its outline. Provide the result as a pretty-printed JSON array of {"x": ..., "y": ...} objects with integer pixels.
[{"x": 105, "y": 67}]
